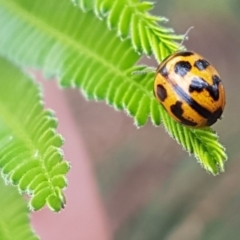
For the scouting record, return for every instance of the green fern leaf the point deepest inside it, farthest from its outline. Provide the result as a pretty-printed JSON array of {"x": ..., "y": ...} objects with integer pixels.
[
  {"x": 83, "y": 53},
  {"x": 29, "y": 146},
  {"x": 131, "y": 19},
  {"x": 14, "y": 219}
]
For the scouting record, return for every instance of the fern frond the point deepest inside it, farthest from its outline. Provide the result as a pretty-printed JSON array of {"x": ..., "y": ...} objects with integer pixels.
[
  {"x": 202, "y": 143},
  {"x": 14, "y": 219},
  {"x": 80, "y": 50},
  {"x": 131, "y": 19},
  {"x": 30, "y": 155}
]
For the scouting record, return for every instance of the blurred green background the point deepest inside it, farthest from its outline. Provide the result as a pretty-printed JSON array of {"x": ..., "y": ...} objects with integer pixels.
[{"x": 152, "y": 189}]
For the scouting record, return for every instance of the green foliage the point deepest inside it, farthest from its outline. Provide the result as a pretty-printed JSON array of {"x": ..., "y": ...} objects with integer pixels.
[
  {"x": 82, "y": 52},
  {"x": 131, "y": 19},
  {"x": 14, "y": 219},
  {"x": 30, "y": 155}
]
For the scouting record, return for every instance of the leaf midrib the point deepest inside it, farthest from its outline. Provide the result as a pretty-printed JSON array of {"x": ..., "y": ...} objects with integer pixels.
[{"x": 15, "y": 127}]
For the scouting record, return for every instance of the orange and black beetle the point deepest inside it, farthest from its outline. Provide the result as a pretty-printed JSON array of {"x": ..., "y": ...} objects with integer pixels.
[{"x": 190, "y": 89}]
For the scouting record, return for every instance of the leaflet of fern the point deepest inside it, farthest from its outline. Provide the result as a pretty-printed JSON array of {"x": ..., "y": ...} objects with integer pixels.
[{"x": 30, "y": 154}]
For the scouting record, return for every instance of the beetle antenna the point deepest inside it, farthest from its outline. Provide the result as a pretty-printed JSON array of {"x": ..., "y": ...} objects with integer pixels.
[{"x": 185, "y": 36}]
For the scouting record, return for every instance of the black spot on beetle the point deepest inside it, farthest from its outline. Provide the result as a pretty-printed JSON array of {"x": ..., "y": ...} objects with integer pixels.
[
  {"x": 216, "y": 79},
  {"x": 199, "y": 84},
  {"x": 184, "y": 54},
  {"x": 201, "y": 64},
  {"x": 182, "y": 68},
  {"x": 214, "y": 116},
  {"x": 163, "y": 71},
  {"x": 191, "y": 102},
  {"x": 177, "y": 110},
  {"x": 161, "y": 92},
  {"x": 214, "y": 91},
  {"x": 202, "y": 111}
]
